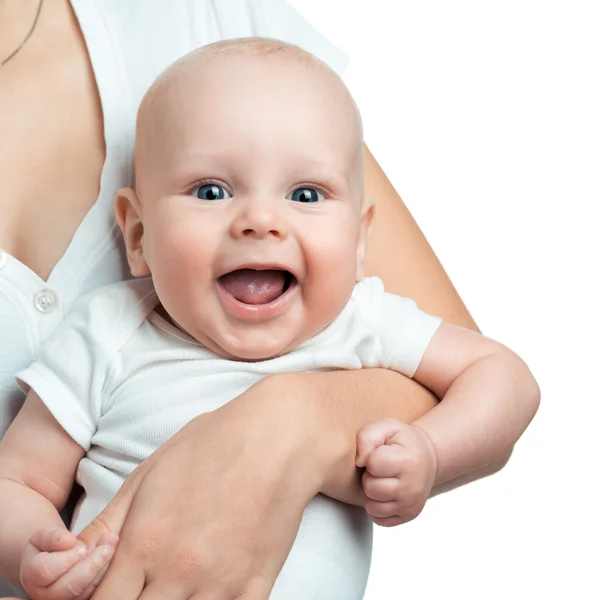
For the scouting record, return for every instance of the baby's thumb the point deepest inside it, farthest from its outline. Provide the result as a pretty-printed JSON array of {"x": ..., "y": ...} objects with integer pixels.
[{"x": 372, "y": 436}]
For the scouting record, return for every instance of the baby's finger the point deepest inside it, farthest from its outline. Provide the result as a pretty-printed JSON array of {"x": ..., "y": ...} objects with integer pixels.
[
  {"x": 53, "y": 540},
  {"x": 83, "y": 575},
  {"x": 44, "y": 568},
  {"x": 372, "y": 436},
  {"x": 87, "y": 594},
  {"x": 110, "y": 539},
  {"x": 387, "y": 521},
  {"x": 381, "y": 509},
  {"x": 382, "y": 489},
  {"x": 387, "y": 461}
]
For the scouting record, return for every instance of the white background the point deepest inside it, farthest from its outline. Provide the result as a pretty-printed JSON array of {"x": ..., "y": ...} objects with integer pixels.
[{"x": 486, "y": 117}]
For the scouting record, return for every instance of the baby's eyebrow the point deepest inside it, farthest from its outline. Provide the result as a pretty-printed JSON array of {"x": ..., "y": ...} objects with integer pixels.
[
  {"x": 330, "y": 177},
  {"x": 197, "y": 163}
]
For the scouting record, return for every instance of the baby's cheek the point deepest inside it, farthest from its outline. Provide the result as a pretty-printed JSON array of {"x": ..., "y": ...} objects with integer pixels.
[
  {"x": 180, "y": 246},
  {"x": 328, "y": 295}
]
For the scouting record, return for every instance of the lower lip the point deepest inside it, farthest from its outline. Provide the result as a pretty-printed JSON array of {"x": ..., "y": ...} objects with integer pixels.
[{"x": 256, "y": 312}]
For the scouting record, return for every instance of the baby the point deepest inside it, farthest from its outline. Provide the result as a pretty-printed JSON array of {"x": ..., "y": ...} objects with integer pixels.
[{"x": 249, "y": 213}]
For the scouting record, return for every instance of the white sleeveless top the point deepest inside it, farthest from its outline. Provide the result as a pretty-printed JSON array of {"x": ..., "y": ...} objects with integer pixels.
[{"x": 129, "y": 43}]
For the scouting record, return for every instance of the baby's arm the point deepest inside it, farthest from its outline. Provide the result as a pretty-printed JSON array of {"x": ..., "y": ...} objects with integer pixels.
[
  {"x": 488, "y": 398},
  {"x": 38, "y": 462}
]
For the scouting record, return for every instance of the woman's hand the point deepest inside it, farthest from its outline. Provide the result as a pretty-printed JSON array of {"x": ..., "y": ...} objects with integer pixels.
[{"x": 215, "y": 511}]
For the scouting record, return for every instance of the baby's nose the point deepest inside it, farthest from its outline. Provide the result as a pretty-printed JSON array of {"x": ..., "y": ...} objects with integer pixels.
[{"x": 259, "y": 220}]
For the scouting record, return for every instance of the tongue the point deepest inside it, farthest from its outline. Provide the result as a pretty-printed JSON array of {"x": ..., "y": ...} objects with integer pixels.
[{"x": 254, "y": 287}]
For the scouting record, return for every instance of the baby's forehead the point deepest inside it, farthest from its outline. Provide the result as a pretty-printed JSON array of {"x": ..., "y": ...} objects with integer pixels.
[
  {"x": 203, "y": 73},
  {"x": 246, "y": 81},
  {"x": 232, "y": 60}
]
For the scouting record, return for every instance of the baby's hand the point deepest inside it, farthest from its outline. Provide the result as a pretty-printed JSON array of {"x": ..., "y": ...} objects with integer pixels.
[
  {"x": 56, "y": 566},
  {"x": 401, "y": 466}
]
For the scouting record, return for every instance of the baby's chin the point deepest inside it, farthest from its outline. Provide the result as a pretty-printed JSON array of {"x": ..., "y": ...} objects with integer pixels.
[
  {"x": 247, "y": 351},
  {"x": 248, "y": 344},
  {"x": 253, "y": 344}
]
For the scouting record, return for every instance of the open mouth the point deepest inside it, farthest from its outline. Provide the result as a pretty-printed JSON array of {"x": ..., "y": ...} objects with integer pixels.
[{"x": 257, "y": 287}]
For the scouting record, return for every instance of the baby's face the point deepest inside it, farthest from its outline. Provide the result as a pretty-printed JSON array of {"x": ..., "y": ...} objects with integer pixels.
[{"x": 250, "y": 198}]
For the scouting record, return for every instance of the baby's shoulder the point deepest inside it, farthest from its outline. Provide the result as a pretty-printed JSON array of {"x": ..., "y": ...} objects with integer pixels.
[
  {"x": 376, "y": 307},
  {"x": 368, "y": 289},
  {"x": 122, "y": 296},
  {"x": 367, "y": 299},
  {"x": 110, "y": 313}
]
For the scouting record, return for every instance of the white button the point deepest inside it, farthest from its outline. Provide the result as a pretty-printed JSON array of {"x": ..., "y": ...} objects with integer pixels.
[
  {"x": 3, "y": 259},
  {"x": 45, "y": 301}
]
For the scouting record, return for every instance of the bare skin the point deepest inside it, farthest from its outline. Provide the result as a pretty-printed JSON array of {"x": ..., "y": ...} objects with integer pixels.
[
  {"x": 50, "y": 164},
  {"x": 52, "y": 148}
]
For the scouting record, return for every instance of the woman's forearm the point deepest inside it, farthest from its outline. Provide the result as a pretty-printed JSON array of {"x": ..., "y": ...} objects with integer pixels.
[
  {"x": 400, "y": 255},
  {"x": 337, "y": 405},
  {"x": 358, "y": 398},
  {"x": 340, "y": 403}
]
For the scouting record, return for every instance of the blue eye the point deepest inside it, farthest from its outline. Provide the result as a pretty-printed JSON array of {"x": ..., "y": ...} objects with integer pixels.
[
  {"x": 210, "y": 191},
  {"x": 306, "y": 195}
]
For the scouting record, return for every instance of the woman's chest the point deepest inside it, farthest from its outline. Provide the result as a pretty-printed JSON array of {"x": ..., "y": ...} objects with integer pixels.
[{"x": 52, "y": 150}]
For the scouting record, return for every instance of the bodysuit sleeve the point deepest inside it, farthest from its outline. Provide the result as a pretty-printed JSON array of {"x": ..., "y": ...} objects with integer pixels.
[
  {"x": 402, "y": 331},
  {"x": 74, "y": 365}
]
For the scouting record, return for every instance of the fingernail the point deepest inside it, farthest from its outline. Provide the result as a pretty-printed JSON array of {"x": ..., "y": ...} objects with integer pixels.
[
  {"x": 81, "y": 550},
  {"x": 100, "y": 575},
  {"x": 112, "y": 539},
  {"x": 106, "y": 552}
]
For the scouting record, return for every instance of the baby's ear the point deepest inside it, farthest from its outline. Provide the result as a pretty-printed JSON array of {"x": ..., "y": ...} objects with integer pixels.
[
  {"x": 367, "y": 214},
  {"x": 127, "y": 208}
]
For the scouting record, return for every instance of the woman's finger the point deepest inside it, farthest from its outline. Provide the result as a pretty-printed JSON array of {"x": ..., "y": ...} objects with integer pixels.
[
  {"x": 254, "y": 591},
  {"x": 160, "y": 591},
  {"x": 219, "y": 596},
  {"x": 108, "y": 539},
  {"x": 111, "y": 519},
  {"x": 184, "y": 538},
  {"x": 123, "y": 581}
]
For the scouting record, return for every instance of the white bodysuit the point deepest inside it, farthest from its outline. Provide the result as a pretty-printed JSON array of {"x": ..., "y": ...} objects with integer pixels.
[
  {"x": 129, "y": 43},
  {"x": 121, "y": 381}
]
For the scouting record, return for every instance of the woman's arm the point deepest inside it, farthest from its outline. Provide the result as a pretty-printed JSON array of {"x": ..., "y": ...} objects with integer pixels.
[
  {"x": 271, "y": 450},
  {"x": 400, "y": 255}
]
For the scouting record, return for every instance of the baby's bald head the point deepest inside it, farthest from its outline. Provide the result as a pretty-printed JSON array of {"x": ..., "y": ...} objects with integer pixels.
[
  {"x": 241, "y": 85},
  {"x": 248, "y": 152}
]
